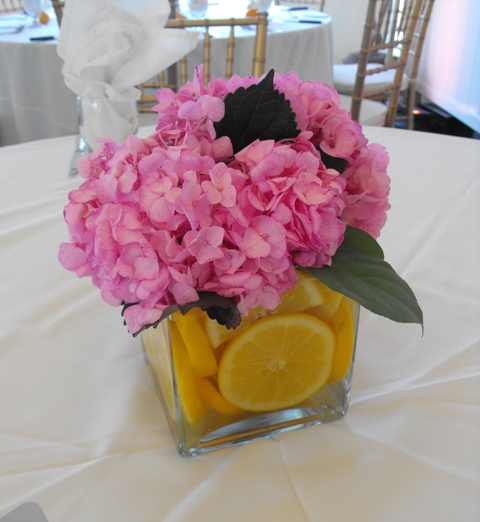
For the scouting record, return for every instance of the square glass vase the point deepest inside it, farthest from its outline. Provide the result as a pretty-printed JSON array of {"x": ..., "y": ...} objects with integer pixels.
[{"x": 280, "y": 370}]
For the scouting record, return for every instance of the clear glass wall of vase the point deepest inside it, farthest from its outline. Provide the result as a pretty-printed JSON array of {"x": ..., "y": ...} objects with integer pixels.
[
  {"x": 100, "y": 117},
  {"x": 280, "y": 370}
]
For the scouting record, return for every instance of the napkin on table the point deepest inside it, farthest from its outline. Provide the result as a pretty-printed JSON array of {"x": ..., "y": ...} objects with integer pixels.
[{"x": 108, "y": 47}]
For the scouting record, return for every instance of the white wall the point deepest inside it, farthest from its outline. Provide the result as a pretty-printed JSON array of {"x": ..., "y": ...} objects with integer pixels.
[{"x": 449, "y": 72}]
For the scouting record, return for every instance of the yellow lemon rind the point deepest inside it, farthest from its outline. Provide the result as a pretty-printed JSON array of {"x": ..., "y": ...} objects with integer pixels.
[
  {"x": 191, "y": 402},
  {"x": 214, "y": 399},
  {"x": 342, "y": 326},
  {"x": 200, "y": 352}
]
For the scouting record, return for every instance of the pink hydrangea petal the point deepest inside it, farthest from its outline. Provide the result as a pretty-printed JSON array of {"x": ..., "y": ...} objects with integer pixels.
[
  {"x": 161, "y": 210},
  {"x": 209, "y": 253},
  {"x": 145, "y": 268},
  {"x": 253, "y": 244},
  {"x": 222, "y": 148},
  {"x": 190, "y": 110},
  {"x": 71, "y": 256},
  {"x": 212, "y": 108}
]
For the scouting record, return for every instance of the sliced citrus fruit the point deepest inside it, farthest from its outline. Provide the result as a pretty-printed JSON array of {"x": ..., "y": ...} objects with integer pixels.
[
  {"x": 199, "y": 350},
  {"x": 218, "y": 334},
  {"x": 277, "y": 362},
  {"x": 342, "y": 326},
  {"x": 190, "y": 401},
  {"x": 213, "y": 398},
  {"x": 307, "y": 293},
  {"x": 330, "y": 304}
]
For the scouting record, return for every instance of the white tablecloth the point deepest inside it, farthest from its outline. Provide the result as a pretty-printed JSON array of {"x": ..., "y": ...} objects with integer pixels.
[
  {"x": 83, "y": 434},
  {"x": 35, "y": 103}
]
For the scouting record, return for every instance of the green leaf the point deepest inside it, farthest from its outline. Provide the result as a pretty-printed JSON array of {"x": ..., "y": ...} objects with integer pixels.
[
  {"x": 356, "y": 239},
  {"x": 359, "y": 272},
  {"x": 222, "y": 309},
  {"x": 259, "y": 112},
  {"x": 331, "y": 162}
]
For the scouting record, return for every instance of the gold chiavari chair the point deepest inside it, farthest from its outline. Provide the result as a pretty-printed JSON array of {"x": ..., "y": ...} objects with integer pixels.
[
  {"x": 10, "y": 6},
  {"x": 58, "y": 8},
  {"x": 413, "y": 61},
  {"x": 388, "y": 32},
  {"x": 177, "y": 74}
]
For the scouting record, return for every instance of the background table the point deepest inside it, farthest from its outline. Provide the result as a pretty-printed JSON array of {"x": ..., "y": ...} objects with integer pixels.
[
  {"x": 293, "y": 44},
  {"x": 34, "y": 101},
  {"x": 83, "y": 434}
]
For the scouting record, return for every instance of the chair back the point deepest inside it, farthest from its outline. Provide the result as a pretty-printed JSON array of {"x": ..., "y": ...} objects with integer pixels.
[
  {"x": 317, "y": 4},
  {"x": 176, "y": 75},
  {"x": 58, "y": 8},
  {"x": 389, "y": 30},
  {"x": 415, "y": 54},
  {"x": 10, "y": 6}
]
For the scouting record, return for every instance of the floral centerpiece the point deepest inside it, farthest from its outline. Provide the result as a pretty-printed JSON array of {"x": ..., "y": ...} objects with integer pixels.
[{"x": 243, "y": 182}]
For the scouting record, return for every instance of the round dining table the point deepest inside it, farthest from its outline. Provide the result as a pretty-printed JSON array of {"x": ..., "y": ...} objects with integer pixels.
[
  {"x": 298, "y": 40},
  {"x": 82, "y": 433},
  {"x": 36, "y": 104}
]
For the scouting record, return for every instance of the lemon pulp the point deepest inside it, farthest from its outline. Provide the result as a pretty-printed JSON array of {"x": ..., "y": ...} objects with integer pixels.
[{"x": 277, "y": 362}]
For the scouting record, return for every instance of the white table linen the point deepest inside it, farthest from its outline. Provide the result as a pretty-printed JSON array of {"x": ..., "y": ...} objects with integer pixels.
[
  {"x": 36, "y": 104},
  {"x": 83, "y": 434},
  {"x": 34, "y": 100}
]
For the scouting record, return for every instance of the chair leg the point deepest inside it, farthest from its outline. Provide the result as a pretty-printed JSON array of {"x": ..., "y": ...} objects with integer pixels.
[{"x": 410, "y": 105}]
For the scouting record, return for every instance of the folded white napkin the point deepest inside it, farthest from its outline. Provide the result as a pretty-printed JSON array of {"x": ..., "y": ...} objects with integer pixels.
[{"x": 109, "y": 46}]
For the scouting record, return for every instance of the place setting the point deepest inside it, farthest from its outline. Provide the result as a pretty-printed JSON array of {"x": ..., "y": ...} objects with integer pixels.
[
  {"x": 36, "y": 23},
  {"x": 12, "y": 23}
]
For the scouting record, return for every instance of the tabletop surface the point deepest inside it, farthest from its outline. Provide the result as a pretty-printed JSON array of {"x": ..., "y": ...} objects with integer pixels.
[
  {"x": 35, "y": 103},
  {"x": 18, "y": 28},
  {"x": 82, "y": 433}
]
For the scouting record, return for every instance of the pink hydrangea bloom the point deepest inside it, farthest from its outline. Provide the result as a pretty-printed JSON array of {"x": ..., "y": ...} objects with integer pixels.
[{"x": 160, "y": 219}]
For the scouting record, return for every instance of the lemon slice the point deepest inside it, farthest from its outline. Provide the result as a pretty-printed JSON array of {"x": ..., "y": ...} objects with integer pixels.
[
  {"x": 200, "y": 353},
  {"x": 330, "y": 304},
  {"x": 307, "y": 293},
  {"x": 342, "y": 326},
  {"x": 191, "y": 402},
  {"x": 278, "y": 362},
  {"x": 213, "y": 398},
  {"x": 217, "y": 334}
]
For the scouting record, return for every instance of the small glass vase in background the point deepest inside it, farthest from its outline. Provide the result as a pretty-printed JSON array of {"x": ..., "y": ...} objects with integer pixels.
[
  {"x": 33, "y": 8},
  {"x": 99, "y": 117},
  {"x": 264, "y": 5},
  {"x": 278, "y": 371},
  {"x": 198, "y": 8}
]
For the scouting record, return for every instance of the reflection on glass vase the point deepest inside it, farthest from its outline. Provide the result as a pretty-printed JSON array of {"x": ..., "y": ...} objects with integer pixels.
[
  {"x": 278, "y": 371},
  {"x": 100, "y": 117}
]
